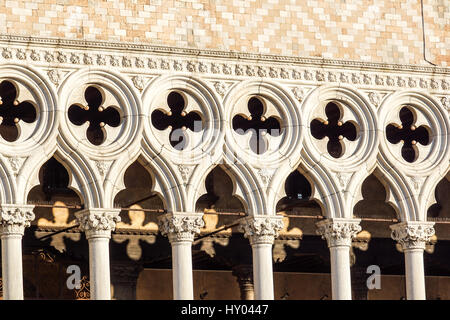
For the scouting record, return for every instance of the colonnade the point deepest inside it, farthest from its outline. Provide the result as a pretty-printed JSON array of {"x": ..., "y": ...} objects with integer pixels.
[{"x": 181, "y": 228}]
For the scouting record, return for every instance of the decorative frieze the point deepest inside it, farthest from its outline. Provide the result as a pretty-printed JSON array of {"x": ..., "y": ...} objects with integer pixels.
[
  {"x": 15, "y": 218},
  {"x": 180, "y": 226},
  {"x": 338, "y": 231},
  {"x": 412, "y": 234},
  {"x": 359, "y": 73},
  {"x": 261, "y": 229}
]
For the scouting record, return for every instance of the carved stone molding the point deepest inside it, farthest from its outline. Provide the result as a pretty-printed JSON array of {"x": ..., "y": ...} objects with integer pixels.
[
  {"x": 102, "y": 166},
  {"x": 266, "y": 175},
  {"x": 15, "y": 218},
  {"x": 185, "y": 171},
  {"x": 66, "y": 53},
  {"x": 412, "y": 234},
  {"x": 181, "y": 226},
  {"x": 338, "y": 231},
  {"x": 261, "y": 229},
  {"x": 16, "y": 164},
  {"x": 98, "y": 222}
]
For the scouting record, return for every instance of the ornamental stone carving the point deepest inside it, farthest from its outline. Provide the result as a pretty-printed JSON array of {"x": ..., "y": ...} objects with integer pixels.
[
  {"x": 338, "y": 231},
  {"x": 180, "y": 226},
  {"x": 261, "y": 229},
  {"x": 412, "y": 234},
  {"x": 14, "y": 218},
  {"x": 98, "y": 222}
]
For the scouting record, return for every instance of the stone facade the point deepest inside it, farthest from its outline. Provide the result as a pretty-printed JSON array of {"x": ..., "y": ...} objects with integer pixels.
[
  {"x": 381, "y": 31},
  {"x": 336, "y": 91}
]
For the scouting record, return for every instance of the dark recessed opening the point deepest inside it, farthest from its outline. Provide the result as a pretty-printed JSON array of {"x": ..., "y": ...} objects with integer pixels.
[{"x": 99, "y": 116}]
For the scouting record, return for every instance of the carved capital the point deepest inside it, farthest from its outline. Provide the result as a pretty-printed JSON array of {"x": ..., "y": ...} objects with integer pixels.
[
  {"x": 98, "y": 222},
  {"x": 181, "y": 226},
  {"x": 338, "y": 231},
  {"x": 15, "y": 218},
  {"x": 261, "y": 229},
  {"x": 412, "y": 234}
]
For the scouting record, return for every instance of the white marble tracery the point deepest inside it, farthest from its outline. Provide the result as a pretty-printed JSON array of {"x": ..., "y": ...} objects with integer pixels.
[{"x": 217, "y": 85}]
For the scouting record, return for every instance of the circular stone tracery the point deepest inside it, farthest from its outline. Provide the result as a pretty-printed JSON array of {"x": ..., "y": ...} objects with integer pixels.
[
  {"x": 408, "y": 134},
  {"x": 12, "y": 111},
  {"x": 96, "y": 114},
  {"x": 335, "y": 129},
  {"x": 258, "y": 125},
  {"x": 177, "y": 120}
]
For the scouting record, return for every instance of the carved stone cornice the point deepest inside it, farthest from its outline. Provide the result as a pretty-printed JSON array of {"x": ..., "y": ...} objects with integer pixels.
[
  {"x": 139, "y": 48},
  {"x": 412, "y": 234},
  {"x": 14, "y": 218},
  {"x": 338, "y": 231},
  {"x": 98, "y": 222},
  {"x": 261, "y": 229},
  {"x": 181, "y": 226},
  {"x": 55, "y": 55}
]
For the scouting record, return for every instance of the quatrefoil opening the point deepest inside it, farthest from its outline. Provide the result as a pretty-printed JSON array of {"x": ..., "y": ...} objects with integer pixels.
[
  {"x": 177, "y": 120},
  {"x": 408, "y": 134},
  {"x": 13, "y": 111},
  {"x": 96, "y": 114},
  {"x": 258, "y": 125},
  {"x": 335, "y": 129}
]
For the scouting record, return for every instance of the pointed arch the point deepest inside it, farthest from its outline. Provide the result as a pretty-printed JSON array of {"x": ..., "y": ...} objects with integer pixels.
[
  {"x": 244, "y": 187},
  {"x": 164, "y": 181},
  {"x": 7, "y": 183},
  {"x": 81, "y": 178}
]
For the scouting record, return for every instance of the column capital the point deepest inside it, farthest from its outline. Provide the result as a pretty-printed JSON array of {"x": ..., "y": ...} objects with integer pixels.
[
  {"x": 181, "y": 226},
  {"x": 338, "y": 231},
  {"x": 98, "y": 222},
  {"x": 412, "y": 234},
  {"x": 261, "y": 229},
  {"x": 14, "y": 218}
]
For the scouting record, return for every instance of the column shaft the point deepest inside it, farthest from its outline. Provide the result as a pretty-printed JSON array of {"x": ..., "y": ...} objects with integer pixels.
[
  {"x": 262, "y": 230},
  {"x": 13, "y": 221},
  {"x": 183, "y": 288},
  {"x": 99, "y": 268},
  {"x": 415, "y": 274},
  {"x": 339, "y": 233},
  {"x": 12, "y": 267},
  {"x": 180, "y": 228},
  {"x": 98, "y": 223},
  {"x": 412, "y": 236},
  {"x": 340, "y": 273},
  {"x": 262, "y": 271}
]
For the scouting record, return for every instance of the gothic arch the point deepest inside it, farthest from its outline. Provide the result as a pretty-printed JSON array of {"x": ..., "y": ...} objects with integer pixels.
[
  {"x": 163, "y": 183},
  {"x": 80, "y": 177},
  {"x": 242, "y": 187},
  {"x": 7, "y": 183}
]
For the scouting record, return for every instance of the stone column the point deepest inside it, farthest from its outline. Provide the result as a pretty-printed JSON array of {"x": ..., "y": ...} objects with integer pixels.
[
  {"x": 13, "y": 220},
  {"x": 261, "y": 231},
  {"x": 244, "y": 275},
  {"x": 97, "y": 224},
  {"x": 412, "y": 236},
  {"x": 180, "y": 228},
  {"x": 124, "y": 278},
  {"x": 339, "y": 233}
]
